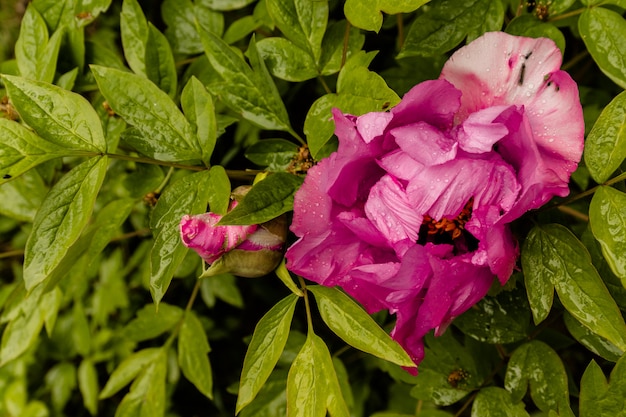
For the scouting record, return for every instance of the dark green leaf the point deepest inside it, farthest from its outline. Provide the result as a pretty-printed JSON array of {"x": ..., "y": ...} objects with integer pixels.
[
  {"x": 193, "y": 349},
  {"x": 168, "y": 136},
  {"x": 224, "y": 287},
  {"x": 226, "y": 5},
  {"x": 603, "y": 32},
  {"x": 497, "y": 402},
  {"x": 591, "y": 341},
  {"x": 59, "y": 116},
  {"x": 303, "y": 22},
  {"x": 182, "y": 18},
  {"x": 61, "y": 219},
  {"x": 286, "y": 60},
  {"x": 88, "y": 385},
  {"x": 188, "y": 195},
  {"x": 274, "y": 154},
  {"x": 160, "y": 65},
  {"x": 21, "y": 150},
  {"x": 198, "y": 107},
  {"x": 599, "y": 398},
  {"x": 129, "y": 369},
  {"x": 502, "y": 319},
  {"x": 605, "y": 147},
  {"x": 265, "y": 201},
  {"x": 553, "y": 254},
  {"x": 445, "y": 24},
  {"x": 266, "y": 346},
  {"x": 607, "y": 218},
  {"x": 529, "y": 26},
  {"x": 134, "y": 30},
  {"x": 537, "y": 366},
  {"x": 355, "y": 327},
  {"x": 367, "y": 14},
  {"x": 219, "y": 197},
  {"x": 151, "y": 323},
  {"x": 332, "y": 58},
  {"x": 249, "y": 92}
]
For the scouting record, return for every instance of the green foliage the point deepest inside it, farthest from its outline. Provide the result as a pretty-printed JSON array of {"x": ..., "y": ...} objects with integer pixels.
[{"x": 118, "y": 117}]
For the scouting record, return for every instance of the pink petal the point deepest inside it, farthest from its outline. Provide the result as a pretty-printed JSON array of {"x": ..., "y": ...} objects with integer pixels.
[
  {"x": 425, "y": 143},
  {"x": 418, "y": 105},
  {"x": 481, "y": 130}
]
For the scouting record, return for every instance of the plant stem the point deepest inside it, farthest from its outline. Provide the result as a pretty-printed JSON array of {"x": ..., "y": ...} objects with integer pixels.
[
  {"x": 566, "y": 15},
  {"x": 307, "y": 306},
  {"x": 590, "y": 191},
  {"x": 400, "y": 21},
  {"x": 346, "y": 39}
]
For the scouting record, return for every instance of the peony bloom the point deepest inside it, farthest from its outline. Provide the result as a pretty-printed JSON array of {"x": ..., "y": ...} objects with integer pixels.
[
  {"x": 411, "y": 213},
  {"x": 249, "y": 251}
]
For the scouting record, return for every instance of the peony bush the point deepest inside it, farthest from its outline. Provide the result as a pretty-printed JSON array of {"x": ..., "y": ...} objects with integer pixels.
[{"x": 270, "y": 208}]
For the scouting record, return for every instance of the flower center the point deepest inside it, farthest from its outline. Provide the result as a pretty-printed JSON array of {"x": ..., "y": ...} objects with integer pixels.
[{"x": 450, "y": 231}]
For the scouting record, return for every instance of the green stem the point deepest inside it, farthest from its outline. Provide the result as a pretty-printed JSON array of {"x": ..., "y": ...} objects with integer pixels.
[
  {"x": 590, "y": 191},
  {"x": 346, "y": 39},
  {"x": 298, "y": 137},
  {"x": 307, "y": 306},
  {"x": 574, "y": 213},
  {"x": 324, "y": 85},
  {"x": 192, "y": 299},
  {"x": 12, "y": 253},
  {"x": 568, "y": 14},
  {"x": 572, "y": 62},
  {"x": 400, "y": 30}
]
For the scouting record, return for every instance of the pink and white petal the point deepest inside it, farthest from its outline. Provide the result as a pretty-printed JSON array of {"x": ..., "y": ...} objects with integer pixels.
[
  {"x": 389, "y": 209},
  {"x": 480, "y": 131},
  {"x": 425, "y": 143},
  {"x": 311, "y": 201},
  {"x": 372, "y": 125}
]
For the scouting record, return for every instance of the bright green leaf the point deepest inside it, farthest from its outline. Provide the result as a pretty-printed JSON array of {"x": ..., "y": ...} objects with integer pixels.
[
  {"x": 59, "y": 116},
  {"x": 146, "y": 397},
  {"x": 23, "y": 196},
  {"x": 160, "y": 65},
  {"x": 61, "y": 381},
  {"x": 168, "y": 136},
  {"x": 88, "y": 385},
  {"x": 607, "y": 218},
  {"x": 366, "y": 14},
  {"x": 81, "y": 334},
  {"x": 188, "y": 195},
  {"x": 61, "y": 219},
  {"x": 128, "y": 370},
  {"x": 266, "y": 346},
  {"x": 134, "y": 30},
  {"x": 198, "y": 107},
  {"x": 537, "y": 366},
  {"x": 332, "y": 58},
  {"x": 603, "y": 32},
  {"x": 605, "y": 147},
  {"x": 286, "y": 60},
  {"x": 193, "y": 349},
  {"x": 226, "y": 5},
  {"x": 307, "y": 387},
  {"x": 599, "y": 398},
  {"x": 265, "y": 201},
  {"x": 497, "y": 402},
  {"x": 590, "y": 340},
  {"x": 151, "y": 323},
  {"x": 284, "y": 275},
  {"x": 553, "y": 254},
  {"x": 355, "y": 327}
]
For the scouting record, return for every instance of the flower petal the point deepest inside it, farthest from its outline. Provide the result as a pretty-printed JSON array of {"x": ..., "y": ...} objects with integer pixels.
[{"x": 425, "y": 143}]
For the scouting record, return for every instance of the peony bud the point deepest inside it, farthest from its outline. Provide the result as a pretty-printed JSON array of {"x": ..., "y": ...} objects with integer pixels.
[{"x": 249, "y": 251}]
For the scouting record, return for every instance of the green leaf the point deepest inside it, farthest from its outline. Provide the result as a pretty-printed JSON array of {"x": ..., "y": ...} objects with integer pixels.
[
  {"x": 182, "y": 18},
  {"x": 332, "y": 58},
  {"x": 284, "y": 275},
  {"x": 241, "y": 28},
  {"x": 272, "y": 399},
  {"x": 497, "y": 402},
  {"x": 359, "y": 91},
  {"x": 286, "y": 60},
  {"x": 224, "y": 287},
  {"x": 61, "y": 381},
  {"x": 603, "y": 32},
  {"x": 249, "y": 92},
  {"x": 21, "y": 150},
  {"x": 147, "y": 394},
  {"x": 188, "y": 195},
  {"x": 81, "y": 334},
  {"x": 537, "y": 366},
  {"x": 193, "y": 349},
  {"x": 160, "y": 65},
  {"x": 553, "y": 254},
  {"x": 605, "y": 146},
  {"x": 591, "y": 341},
  {"x": 303, "y": 22},
  {"x": 529, "y": 26},
  {"x": 312, "y": 385},
  {"x": 59, "y": 116},
  {"x": 607, "y": 218},
  {"x": 23, "y": 196},
  {"x": 88, "y": 385},
  {"x": 265, "y": 201},
  {"x": 226, "y": 5},
  {"x": 444, "y": 25},
  {"x": 492, "y": 20},
  {"x": 134, "y": 32},
  {"x": 355, "y": 327},
  {"x": 266, "y": 346},
  {"x": 366, "y": 14},
  {"x": 151, "y": 323},
  {"x": 36, "y": 55},
  {"x": 599, "y": 398},
  {"x": 502, "y": 319},
  {"x": 128, "y": 370},
  {"x": 61, "y": 219},
  {"x": 274, "y": 154},
  {"x": 168, "y": 136},
  {"x": 198, "y": 107},
  {"x": 219, "y": 197}
]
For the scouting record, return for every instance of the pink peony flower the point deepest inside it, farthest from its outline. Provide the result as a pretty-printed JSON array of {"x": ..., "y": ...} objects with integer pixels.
[
  {"x": 411, "y": 213},
  {"x": 248, "y": 251}
]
